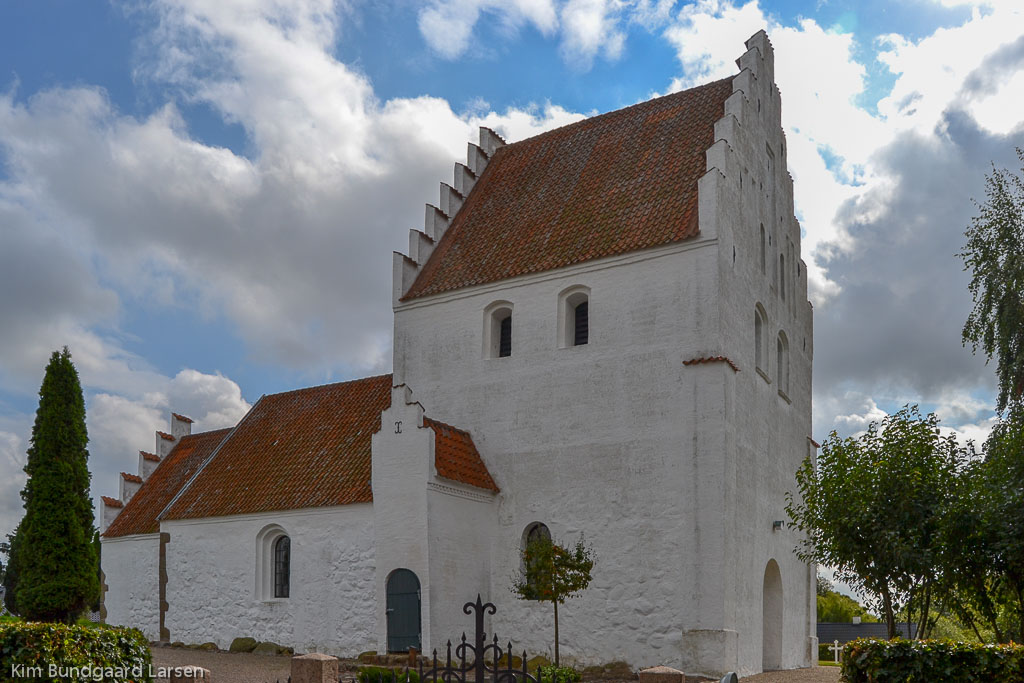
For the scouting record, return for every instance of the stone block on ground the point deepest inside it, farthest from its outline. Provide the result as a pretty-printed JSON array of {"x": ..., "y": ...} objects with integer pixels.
[
  {"x": 209, "y": 647},
  {"x": 190, "y": 674},
  {"x": 269, "y": 648},
  {"x": 661, "y": 674},
  {"x": 243, "y": 645},
  {"x": 314, "y": 668}
]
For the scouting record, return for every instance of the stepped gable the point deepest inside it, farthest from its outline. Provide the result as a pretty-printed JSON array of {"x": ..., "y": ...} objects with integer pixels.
[
  {"x": 611, "y": 184},
  {"x": 298, "y": 449},
  {"x": 140, "y": 514},
  {"x": 456, "y": 457}
]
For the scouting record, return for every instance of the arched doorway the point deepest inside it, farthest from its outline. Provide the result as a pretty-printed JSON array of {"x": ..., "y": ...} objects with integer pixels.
[
  {"x": 771, "y": 622},
  {"x": 403, "y": 611}
]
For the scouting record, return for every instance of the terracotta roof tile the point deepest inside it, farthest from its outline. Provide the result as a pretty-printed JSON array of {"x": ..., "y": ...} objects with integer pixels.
[
  {"x": 112, "y": 502},
  {"x": 456, "y": 457},
  {"x": 182, "y": 418},
  {"x": 152, "y": 457},
  {"x": 712, "y": 359},
  {"x": 611, "y": 184},
  {"x": 134, "y": 478},
  {"x": 299, "y": 449},
  {"x": 140, "y": 514},
  {"x": 165, "y": 436}
]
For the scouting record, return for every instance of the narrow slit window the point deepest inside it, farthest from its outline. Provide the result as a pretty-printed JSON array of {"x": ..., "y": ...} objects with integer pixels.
[
  {"x": 282, "y": 566},
  {"x": 581, "y": 319},
  {"x": 505, "y": 337}
]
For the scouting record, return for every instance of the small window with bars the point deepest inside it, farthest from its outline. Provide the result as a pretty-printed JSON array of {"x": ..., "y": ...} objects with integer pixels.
[
  {"x": 505, "y": 336},
  {"x": 581, "y": 324},
  {"x": 497, "y": 331},
  {"x": 282, "y": 566},
  {"x": 574, "y": 317}
]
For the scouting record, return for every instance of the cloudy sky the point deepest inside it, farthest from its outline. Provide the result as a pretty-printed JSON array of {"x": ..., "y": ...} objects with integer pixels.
[{"x": 201, "y": 198}]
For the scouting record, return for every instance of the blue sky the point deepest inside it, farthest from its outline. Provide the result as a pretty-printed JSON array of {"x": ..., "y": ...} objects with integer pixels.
[{"x": 200, "y": 199}]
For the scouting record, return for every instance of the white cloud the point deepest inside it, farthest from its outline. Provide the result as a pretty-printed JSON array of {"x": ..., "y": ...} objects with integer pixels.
[
  {"x": 447, "y": 25},
  {"x": 589, "y": 27}
]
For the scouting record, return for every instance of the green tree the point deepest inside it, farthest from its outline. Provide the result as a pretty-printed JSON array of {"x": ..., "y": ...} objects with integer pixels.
[
  {"x": 982, "y": 547},
  {"x": 871, "y": 508},
  {"x": 55, "y": 560},
  {"x": 552, "y": 573},
  {"x": 11, "y": 573},
  {"x": 994, "y": 254},
  {"x": 839, "y": 608}
]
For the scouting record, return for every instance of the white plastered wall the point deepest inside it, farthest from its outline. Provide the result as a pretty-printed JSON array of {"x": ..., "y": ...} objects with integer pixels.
[
  {"x": 595, "y": 440},
  {"x": 211, "y": 580},
  {"x": 768, "y": 435},
  {"x": 131, "y": 568}
]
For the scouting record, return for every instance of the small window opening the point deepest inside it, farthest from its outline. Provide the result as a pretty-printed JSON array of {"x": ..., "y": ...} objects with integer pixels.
[
  {"x": 760, "y": 341},
  {"x": 782, "y": 276},
  {"x": 282, "y": 566},
  {"x": 581, "y": 328},
  {"x": 505, "y": 337}
]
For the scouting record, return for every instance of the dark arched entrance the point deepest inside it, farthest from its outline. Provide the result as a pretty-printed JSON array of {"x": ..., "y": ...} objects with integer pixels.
[{"x": 403, "y": 611}]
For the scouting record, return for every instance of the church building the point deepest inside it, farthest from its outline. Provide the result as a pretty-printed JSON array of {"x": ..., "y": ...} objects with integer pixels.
[{"x": 601, "y": 332}]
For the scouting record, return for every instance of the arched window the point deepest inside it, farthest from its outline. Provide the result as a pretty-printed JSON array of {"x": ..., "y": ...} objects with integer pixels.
[
  {"x": 782, "y": 363},
  {"x": 574, "y": 317},
  {"x": 538, "y": 531},
  {"x": 761, "y": 341},
  {"x": 273, "y": 563},
  {"x": 282, "y": 566},
  {"x": 498, "y": 330}
]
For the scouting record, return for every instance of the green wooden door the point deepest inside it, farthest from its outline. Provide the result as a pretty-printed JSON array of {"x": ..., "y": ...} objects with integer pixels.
[{"x": 403, "y": 611}]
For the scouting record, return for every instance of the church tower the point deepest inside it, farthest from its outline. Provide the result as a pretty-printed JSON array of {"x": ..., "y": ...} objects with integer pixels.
[{"x": 617, "y": 311}]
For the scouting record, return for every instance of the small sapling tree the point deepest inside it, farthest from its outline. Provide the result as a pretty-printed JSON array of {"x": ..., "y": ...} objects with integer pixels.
[{"x": 552, "y": 573}]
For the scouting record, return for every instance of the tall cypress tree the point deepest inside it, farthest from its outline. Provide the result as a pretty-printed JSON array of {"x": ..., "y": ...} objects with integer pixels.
[{"x": 56, "y": 559}]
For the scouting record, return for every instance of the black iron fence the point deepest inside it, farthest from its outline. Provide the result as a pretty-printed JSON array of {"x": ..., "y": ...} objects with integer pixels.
[{"x": 478, "y": 661}]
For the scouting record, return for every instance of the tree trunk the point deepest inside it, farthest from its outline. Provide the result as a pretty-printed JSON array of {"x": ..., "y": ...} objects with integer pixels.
[
  {"x": 922, "y": 628},
  {"x": 890, "y": 622},
  {"x": 555, "y": 603}
]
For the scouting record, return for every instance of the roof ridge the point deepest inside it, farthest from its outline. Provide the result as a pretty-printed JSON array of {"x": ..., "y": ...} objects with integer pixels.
[
  {"x": 623, "y": 111},
  {"x": 445, "y": 424},
  {"x": 207, "y": 461},
  {"x": 327, "y": 384}
]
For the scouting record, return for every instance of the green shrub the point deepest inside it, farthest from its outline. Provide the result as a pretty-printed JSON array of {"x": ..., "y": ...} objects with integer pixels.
[
  {"x": 105, "y": 654},
  {"x": 926, "y": 661},
  {"x": 558, "y": 674},
  {"x": 380, "y": 674}
]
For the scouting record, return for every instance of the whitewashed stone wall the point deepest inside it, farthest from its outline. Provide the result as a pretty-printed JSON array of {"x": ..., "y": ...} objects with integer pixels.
[
  {"x": 211, "y": 588},
  {"x": 131, "y": 566}
]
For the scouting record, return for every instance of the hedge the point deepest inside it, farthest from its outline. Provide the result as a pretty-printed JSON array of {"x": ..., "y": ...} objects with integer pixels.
[
  {"x": 868, "y": 660},
  {"x": 52, "y": 653}
]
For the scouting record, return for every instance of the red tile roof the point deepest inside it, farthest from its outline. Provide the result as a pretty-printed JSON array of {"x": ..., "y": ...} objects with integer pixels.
[
  {"x": 112, "y": 502},
  {"x": 135, "y": 479},
  {"x": 712, "y": 359},
  {"x": 165, "y": 436},
  {"x": 611, "y": 184},
  {"x": 299, "y": 449},
  {"x": 152, "y": 457},
  {"x": 140, "y": 514},
  {"x": 181, "y": 418},
  {"x": 456, "y": 457}
]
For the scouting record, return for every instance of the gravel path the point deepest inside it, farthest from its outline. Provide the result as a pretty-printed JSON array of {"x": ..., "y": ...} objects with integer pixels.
[{"x": 227, "y": 667}]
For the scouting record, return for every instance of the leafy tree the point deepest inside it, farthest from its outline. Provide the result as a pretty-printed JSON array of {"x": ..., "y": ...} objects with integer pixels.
[
  {"x": 872, "y": 508},
  {"x": 839, "y": 608},
  {"x": 55, "y": 559},
  {"x": 989, "y": 565},
  {"x": 11, "y": 573},
  {"x": 552, "y": 573},
  {"x": 994, "y": 254}
]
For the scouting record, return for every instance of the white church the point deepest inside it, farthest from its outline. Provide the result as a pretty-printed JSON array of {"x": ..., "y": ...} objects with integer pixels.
[{"x": 601, "y": 331}]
